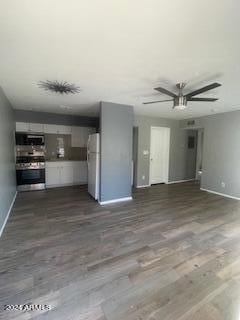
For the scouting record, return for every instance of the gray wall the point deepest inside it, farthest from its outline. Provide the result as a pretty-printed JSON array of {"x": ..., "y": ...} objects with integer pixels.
[
  {"x": 53, "y": 118},
  {"x": 7, "y": 163},
  {"x": 221, "y": 152},
  {"x": 116, "y": 128},
  {"x": 178, "y": 148}
]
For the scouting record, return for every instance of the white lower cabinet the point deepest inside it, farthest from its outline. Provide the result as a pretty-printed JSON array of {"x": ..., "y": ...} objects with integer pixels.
[
  {"x": 65, "y": 173},
  {"x": 52, "y": 176},
  {"x": 80, "y": 172}
]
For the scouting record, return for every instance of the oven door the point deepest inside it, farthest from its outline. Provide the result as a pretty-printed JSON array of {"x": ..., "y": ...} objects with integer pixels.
[{"x": 30, "y": 176}]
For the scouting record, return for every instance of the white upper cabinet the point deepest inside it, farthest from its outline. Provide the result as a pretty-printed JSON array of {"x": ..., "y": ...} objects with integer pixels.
[
  {"x": 53, "y": 128},
  {"x": 22, "y": 126},
  {"x": 50, "y": 128},
  {"x": 36, "y": 127},
  {"x": 80, "y": 136},
  {"x": 29, "y": 127},
  {"x": 65, "y": 129}
]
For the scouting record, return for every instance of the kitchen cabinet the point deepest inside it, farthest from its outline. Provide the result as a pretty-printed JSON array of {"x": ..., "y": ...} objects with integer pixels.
[
  {"x": 57, "y": 129},
  {"x": 52, "y": 176},
  {"x": 29, "y": 127},
  {"x": 65, "y": 173},
  {"x": 80, "y": 136},
  {"x": 36, "y": 127},
  {"x": 80, "y": 172},
  {"x": 22, "y": 126}
]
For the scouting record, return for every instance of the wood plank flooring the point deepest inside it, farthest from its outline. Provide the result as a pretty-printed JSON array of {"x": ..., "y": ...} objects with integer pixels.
[{"x": 173, "y": 253}]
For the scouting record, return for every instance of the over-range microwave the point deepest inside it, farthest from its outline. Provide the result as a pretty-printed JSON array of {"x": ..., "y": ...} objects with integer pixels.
[{"x": 28, "y": 139}]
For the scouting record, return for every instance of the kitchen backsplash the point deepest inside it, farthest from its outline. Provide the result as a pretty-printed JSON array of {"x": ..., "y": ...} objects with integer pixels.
[{"x": 58, "y": 147}]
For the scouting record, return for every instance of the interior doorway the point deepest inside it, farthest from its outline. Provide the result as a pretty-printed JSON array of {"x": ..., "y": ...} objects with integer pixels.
[
  {"x": 134, "y": 156},
  {"x": 159, "y": 155},
  {"x": 194, "y": 154},
  {"x": 199, "y": 158}
]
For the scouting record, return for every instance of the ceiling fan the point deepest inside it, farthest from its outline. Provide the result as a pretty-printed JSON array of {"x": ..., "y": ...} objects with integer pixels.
[{"x": 180, "y": 100}]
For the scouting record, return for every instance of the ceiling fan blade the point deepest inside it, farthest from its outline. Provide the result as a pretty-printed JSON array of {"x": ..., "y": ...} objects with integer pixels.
[
  {"x": 203, "y": 99},
  {"x": 165, "y": 91},
  {"x": 204, "y": 89},
  {"x": 157, "y": 101}
]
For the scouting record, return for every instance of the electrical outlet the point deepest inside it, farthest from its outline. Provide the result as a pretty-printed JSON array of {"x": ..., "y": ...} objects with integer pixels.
[
  {"x": 223, "y": 184},
  {"x": 143, "y": 177}
]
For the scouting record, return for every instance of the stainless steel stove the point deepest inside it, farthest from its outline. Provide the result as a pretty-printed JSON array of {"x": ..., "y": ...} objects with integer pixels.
[{"x": 30, "y": 167}]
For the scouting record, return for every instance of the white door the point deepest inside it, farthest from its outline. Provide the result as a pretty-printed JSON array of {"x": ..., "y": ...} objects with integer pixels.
[{"x": 159, "y": 155}]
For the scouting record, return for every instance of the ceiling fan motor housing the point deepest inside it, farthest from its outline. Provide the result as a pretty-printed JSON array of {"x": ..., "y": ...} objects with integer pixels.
[{"x": 180, "y": 102}]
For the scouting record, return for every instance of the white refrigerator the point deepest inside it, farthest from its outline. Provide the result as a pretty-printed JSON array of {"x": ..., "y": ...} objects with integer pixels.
[{"x": 93, "y": 161}]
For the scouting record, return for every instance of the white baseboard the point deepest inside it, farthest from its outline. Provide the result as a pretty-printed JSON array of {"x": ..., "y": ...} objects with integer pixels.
[
  {"x": 220, "y": 194},
  {"x": 8, "y": 214},
  {"x": 115, "y": 200},
  {"x": 180, "y": 181},
  {"x": 144, "y": 186},
  {"x": 66, "y": 185}
]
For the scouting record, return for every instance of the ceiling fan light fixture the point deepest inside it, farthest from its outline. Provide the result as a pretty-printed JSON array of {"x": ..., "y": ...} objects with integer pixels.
[
  {"x": 61, "y": 87},
  {"x": 180, "y": 107},
  {"x": 180, "y": 103}
]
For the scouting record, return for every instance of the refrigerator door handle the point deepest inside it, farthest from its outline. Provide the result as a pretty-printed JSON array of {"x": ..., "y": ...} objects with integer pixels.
[{"x": 88, "y": 149}]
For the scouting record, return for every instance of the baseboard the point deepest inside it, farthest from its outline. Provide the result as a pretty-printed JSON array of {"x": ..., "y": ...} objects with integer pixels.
[
  {"x": 115, "y": 200},
  {"x": 66, "y": 185},
  {"x": 8, "y": 214},
  {"x": 220, "y": 194},
  {"x": 180, "y": 181},
  {"x": 144, "y": 186}
]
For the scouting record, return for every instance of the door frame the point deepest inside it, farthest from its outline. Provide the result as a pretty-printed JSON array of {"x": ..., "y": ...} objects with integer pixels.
[{"x": 166, "y": 174}]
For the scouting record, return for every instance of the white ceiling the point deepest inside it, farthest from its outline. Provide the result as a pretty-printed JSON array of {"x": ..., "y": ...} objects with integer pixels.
[{"x": 119, "y": 50}]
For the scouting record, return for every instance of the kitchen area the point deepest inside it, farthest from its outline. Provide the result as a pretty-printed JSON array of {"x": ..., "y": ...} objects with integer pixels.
[
  {"x": 50, "y": 155},
  {"x": 60, "y": 150}
]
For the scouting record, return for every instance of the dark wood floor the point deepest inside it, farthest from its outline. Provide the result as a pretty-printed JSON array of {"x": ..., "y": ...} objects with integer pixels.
[{"x": 173, "y": 253}]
